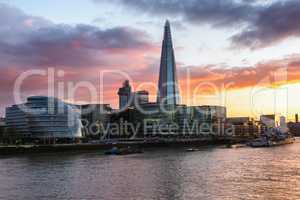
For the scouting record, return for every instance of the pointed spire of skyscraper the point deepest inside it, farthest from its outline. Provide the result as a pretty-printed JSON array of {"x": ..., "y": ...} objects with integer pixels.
[
  {"x": 167, "y": 23},
  {"x": 167, "y": 33},
  {"x": 168, "y": 84}
]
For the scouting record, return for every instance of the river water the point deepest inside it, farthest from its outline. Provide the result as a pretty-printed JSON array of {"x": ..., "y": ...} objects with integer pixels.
[{"x": 160, "y": 174}]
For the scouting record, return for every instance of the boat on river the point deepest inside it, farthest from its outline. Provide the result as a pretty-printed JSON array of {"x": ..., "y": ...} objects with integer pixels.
[
  {"x": 192, "y": 150},
  {"x": 273, "y": 137},
  {"x": 123, "y": 151}
]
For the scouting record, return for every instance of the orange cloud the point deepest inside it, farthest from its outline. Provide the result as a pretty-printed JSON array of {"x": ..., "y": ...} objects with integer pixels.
[
  {"x": 144, "y": 76},
  {"x": 277, "y": 72}
]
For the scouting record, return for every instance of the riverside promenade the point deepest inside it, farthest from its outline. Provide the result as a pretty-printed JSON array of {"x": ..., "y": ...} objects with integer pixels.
[{"x": 104, "y": 145}]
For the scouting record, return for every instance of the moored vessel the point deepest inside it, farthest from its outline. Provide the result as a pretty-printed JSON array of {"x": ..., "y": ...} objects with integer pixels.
[
  {"x": 273, "y": 137},
  {"x": 123, "y": 151}
]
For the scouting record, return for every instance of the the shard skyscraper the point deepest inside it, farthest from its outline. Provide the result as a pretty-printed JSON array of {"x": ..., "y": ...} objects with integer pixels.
[{"x": 168, "y": 84}]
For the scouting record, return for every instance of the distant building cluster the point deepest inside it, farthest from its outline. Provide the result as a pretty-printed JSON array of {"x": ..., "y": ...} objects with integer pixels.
[
  {"x": 47, "y": 119},
  {"x": 294, "y": 127},
  {"x": 128, "y": 98}
]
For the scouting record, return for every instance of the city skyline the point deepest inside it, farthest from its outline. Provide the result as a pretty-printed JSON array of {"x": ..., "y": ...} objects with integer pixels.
[{"x": 34, "y": 42}]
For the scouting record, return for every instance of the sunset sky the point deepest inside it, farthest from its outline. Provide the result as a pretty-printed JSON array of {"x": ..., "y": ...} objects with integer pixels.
[{"x": 247, "y": 50}]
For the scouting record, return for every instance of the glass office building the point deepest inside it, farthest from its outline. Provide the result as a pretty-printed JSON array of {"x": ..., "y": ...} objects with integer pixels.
[
  {"x": 168, "y": 84},
  {"x": 42, "y": 117}
]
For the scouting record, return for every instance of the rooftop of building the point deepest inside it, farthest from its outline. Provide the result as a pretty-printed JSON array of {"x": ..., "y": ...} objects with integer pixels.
[{"x": 142, "y": 92}]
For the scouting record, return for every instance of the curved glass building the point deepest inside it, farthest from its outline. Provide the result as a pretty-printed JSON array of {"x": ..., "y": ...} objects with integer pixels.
[{"x": 42, "y": 117}]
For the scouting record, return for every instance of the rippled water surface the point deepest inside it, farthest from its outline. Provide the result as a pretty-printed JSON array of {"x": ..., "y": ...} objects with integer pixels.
[{"x": 212, "y": 173}]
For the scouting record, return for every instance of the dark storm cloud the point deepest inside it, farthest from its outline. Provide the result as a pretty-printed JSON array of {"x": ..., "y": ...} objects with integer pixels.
[
  {"x": 30, "y": 40},
  {"x": 215, "y": 12},
  {"x": 273, "y": 24},
  {"x": 261, "y": 24},
  {"x": 73, "y": 46},
  {"x": 81, "y": 51}
]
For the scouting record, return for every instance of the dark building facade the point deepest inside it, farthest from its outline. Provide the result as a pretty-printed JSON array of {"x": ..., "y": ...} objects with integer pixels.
[
  {"x": 127, "y": 98},
  {"x": 125, "y": 95},
  {"x": 2, "y": 129},
  {"x": 95, "y": 119},
  {"x": 140, "y": 97},
  {"x": 244, "y": 126},
  {"x": 294, "y": 128}
]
